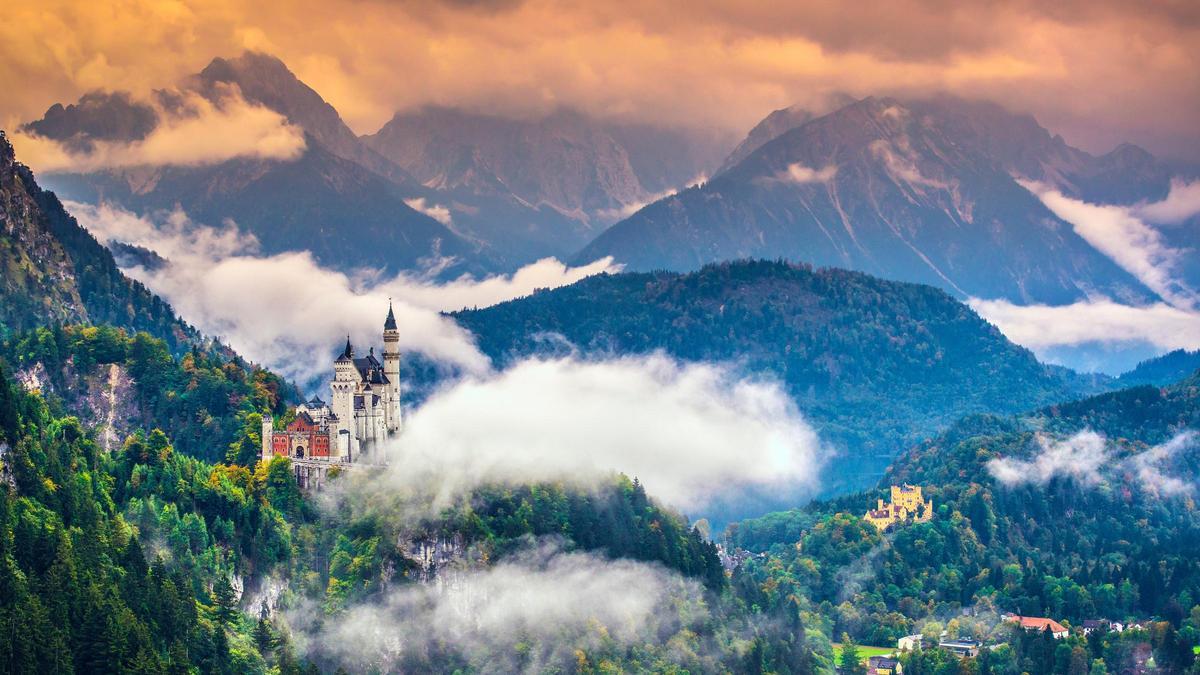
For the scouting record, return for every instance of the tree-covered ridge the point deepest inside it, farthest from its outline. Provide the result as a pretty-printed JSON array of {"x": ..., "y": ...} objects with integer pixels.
[
  {"x": 205, "y": 397},
  {"x": 120, "y": 562},
  {"x": 1071, "y": 547},
  {"x": 876, "y": 365},
  {"x": 54, "y": 271},
  {"x": 1162, "y": 370}
]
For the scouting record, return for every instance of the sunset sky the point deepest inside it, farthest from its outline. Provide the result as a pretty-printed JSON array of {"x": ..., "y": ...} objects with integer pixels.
[{"x": 1097, "y": 72}]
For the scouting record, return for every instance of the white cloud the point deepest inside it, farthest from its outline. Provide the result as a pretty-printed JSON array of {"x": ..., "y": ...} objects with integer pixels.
[
  {"x": 436, "y": 211},
  {"x": 549, "y": 602},
  {"x": 1118, "y": 232},
  {"x": 200, "y": 133},
  {"x": 287, "y": 312},
  {"x": 1087, "y": 457},
  {"x": 1148, "y": 465},
  {"x": 1079, "y": 456},
  {"x": 693, "y": 432},
  {"x": 1181, "y": 203},
  {"x": 1040, "y": 327},
  {"x": 799, "y": 174}
]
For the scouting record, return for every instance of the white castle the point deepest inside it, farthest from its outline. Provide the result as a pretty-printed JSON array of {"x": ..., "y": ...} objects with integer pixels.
[{"x": 364, "y": 411}]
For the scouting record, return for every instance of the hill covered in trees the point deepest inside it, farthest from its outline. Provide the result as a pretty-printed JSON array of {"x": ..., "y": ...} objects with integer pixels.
[
  {"x": 875, "y": 365},
  {"x": 54, "y": 271},
  {"x": 1083, "y": 510}
]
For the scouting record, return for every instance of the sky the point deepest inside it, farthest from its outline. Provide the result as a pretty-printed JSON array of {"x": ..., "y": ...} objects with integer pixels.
[{"x": 1098, "y": 72}]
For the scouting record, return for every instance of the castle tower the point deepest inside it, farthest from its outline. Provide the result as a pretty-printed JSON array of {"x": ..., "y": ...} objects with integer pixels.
[
  {"x": 342, "y": 389},
  {"x": 391, "y": 369},
  {"x": 268, "y": 434}
]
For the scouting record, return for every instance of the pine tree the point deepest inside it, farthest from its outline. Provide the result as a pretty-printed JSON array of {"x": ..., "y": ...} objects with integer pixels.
[
  {"x": 225, "y": 599},
  {"x": 264, "y": 635},
  {"x": 850, "y": 663}
]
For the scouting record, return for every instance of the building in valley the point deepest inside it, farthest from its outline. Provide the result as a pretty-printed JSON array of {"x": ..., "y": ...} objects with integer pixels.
[{"x": 350, "y": 430}]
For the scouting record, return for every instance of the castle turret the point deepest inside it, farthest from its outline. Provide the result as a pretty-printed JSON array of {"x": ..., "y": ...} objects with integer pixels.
[
  {"x": 391, "y": 370},
  {"x": 342, "y": 388},
  {"x": 268, "y": 434}
]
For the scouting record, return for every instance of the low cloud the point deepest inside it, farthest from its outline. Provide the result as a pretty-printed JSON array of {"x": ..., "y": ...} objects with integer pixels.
[
  {"x": 287, "y": 312},
  {"x": 1041, "y": 327},
  {"x": 551, "y": 603},
  {"x": 1079, "y": 456},
  {"x": 436, "y": 211},
  {"x": 196, "y": 132},
  {"x": 1089, "y": 458},
  {"x": 1149, "y": 465},
  {"x": 694, "y": 432},
  {"x": 1181, "y": 203},
  {"x": 801, "y": 175},
  {"x": 1119, "y": 233}
]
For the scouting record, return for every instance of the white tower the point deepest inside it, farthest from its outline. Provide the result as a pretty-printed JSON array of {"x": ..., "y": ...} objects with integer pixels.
[
  {"x": 342, "y": 390},
  {"x": 268, "y": 432},
  {"x": 391, "y": 369}
]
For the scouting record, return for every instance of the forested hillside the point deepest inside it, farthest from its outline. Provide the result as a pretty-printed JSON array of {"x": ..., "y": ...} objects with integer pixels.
[
  {"x": 54, "y": 271},
  {"x": 876, "y": 365},
  {"x": 116, "y": 383},
  {"x": 1084, "y": 528}
]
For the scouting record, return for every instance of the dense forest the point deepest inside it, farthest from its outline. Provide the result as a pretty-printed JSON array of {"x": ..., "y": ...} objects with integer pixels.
[
  {"x": 1106, "y": 544},
  {"x": 876, "y": 365},
  {"x": 104, "y": 376}
]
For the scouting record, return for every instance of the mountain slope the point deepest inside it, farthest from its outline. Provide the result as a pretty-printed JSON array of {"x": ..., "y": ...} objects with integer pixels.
[
  {"x": 55, "y": 272},
  {"x": 911, "y": 192},
  {"x": 547, "y": 184},
  {"x": 339, "y": 199},
  {"x": 874, "y": 364}
]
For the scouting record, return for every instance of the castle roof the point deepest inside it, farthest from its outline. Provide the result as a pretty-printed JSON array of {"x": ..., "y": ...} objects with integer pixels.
[
  {"x": 315, "y": 402},
  {"x": 1040, "y": 623},
  {"x": 370, "y": 370},
  {"x": 390, "y": 322}
]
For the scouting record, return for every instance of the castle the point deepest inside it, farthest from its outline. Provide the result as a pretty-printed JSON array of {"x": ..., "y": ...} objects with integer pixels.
[
  {"x": 364, "y": 410},
  {"x": 907, "y": 506}
]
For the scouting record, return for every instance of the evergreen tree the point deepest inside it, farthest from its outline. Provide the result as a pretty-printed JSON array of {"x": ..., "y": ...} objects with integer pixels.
[{"x": 850, "y": 663}]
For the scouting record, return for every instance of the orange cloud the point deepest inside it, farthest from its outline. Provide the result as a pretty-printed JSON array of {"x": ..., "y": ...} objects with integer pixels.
[
  {"x": 1097, "y": 71},
  {"x": 200, "y": 133}
]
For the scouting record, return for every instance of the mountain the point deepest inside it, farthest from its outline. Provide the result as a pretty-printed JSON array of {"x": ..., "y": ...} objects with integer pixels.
[
  {"x": 875, "y": 365},
  {"x": 548, "y": 183},
  {"x": 1162, "y": 370},
  {"x": 338, "y": 199},
  {"x": 771, "y": 127},
  {"x": 913, "y": 191},
  {"x": 55, "y": 272},
  {"x": 1105, "y": 535}
]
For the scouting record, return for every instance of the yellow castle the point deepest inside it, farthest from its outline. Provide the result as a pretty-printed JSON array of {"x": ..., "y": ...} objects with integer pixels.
[{"x": 907, "y": 506}]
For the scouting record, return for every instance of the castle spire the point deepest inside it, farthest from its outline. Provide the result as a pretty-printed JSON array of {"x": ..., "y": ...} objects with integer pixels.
[
  {"x": 348, "y": 352},
  {"x": 390, "y": 322}
]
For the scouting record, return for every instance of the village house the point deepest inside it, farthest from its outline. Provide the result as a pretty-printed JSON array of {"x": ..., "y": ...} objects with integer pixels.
[
  {"x": 1038, "y": 624},
  {"x": 884, "y": 665},
  {"x": 910, "y": 643}
]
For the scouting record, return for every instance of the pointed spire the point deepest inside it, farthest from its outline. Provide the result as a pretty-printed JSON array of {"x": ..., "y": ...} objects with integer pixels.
[
  {"x": 390, "y": 322},
  {"x": 348, "y": 352}
]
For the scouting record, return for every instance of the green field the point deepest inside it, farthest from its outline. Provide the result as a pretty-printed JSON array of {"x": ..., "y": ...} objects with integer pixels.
[{"x": 865, "y": 651}]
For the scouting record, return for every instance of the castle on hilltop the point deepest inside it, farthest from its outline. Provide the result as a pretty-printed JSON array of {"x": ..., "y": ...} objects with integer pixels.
[
  {"x": 364, "y": 410},
  {"x": 907, "y": 506}
]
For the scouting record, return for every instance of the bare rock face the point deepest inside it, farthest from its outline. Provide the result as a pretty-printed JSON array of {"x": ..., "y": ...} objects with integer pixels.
[{"x": 925, "y": 191}]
